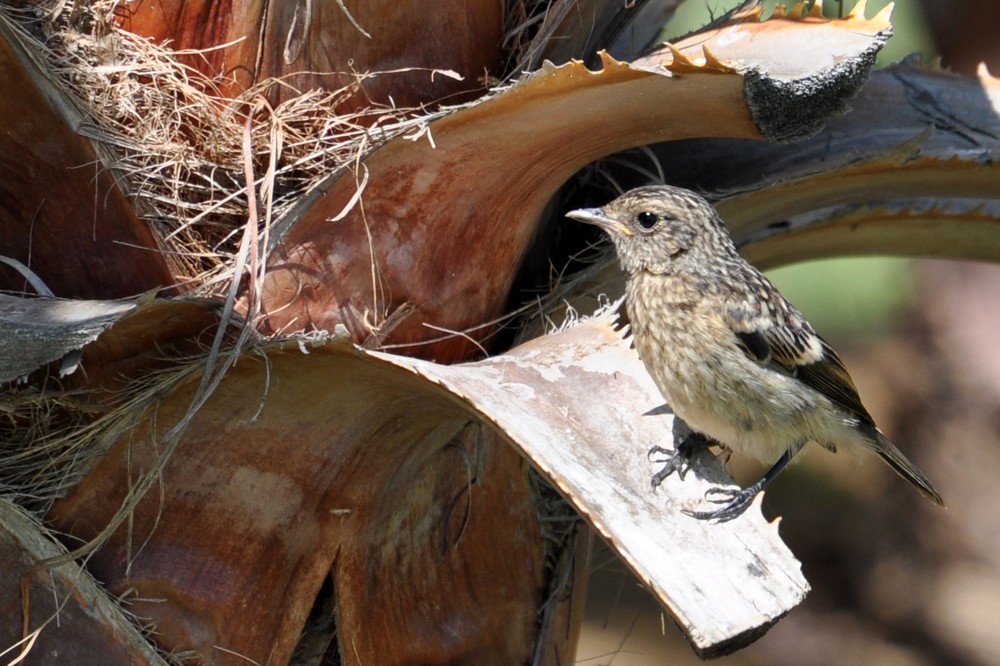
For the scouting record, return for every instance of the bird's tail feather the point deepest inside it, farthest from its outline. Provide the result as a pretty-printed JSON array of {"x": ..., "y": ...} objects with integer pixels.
[{"x": 902, "y": 466}]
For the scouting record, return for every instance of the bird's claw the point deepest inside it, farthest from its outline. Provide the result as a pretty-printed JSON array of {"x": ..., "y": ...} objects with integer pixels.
[
  {"x": 679, "y": 459},
  {"x": 736, "y": 502}
]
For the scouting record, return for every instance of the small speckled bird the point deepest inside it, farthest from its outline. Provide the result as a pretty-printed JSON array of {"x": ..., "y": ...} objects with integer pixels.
[{"x": 733, "y": 359}]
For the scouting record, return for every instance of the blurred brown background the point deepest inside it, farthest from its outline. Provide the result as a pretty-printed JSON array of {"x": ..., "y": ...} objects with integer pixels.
[{"x": 896, "y": 581}]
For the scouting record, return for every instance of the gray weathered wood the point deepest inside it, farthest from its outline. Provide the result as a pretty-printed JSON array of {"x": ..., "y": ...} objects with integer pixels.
[{"x": 36, "y": 331}]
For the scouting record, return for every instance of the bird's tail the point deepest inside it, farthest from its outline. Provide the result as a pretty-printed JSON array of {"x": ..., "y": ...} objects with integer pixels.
[{"x": 897, "y": 461}]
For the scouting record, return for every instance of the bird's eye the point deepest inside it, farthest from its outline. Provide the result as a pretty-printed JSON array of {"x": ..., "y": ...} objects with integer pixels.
[{"x": 647, "y": 219}]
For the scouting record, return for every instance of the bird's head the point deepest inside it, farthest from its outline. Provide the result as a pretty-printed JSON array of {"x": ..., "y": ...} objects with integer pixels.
[{"x": 659, "y": 228}]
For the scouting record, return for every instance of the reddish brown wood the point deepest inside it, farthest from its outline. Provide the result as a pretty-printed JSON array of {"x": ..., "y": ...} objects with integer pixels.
[
  {"x": 428, "y": 525},
  {"x": 146, "y": 340},
  {"x": 312, "y": 44},
  {"x": 77, "y": 620},
  {"x": 444, "y": 227},
  {"x": 61, "y": 212}
]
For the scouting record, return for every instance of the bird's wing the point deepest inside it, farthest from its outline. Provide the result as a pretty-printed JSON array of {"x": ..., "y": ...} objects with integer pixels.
[
  {"x": 829, "y": 377},
  {"x": 775, "y": 334}
]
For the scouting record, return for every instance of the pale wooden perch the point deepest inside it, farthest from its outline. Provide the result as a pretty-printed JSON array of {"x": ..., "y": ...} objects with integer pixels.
[{"x": 576, "y": 403}]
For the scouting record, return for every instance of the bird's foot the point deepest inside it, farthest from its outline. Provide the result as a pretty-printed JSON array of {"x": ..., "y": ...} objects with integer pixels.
[
  {"x": 678, "y": 460},
  {"x": 736, "y": 501}
]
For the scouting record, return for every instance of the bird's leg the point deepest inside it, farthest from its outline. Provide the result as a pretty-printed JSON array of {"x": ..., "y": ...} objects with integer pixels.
[
  {"x": 678, "y": 460},
  {"x": 738, "y": 500}
]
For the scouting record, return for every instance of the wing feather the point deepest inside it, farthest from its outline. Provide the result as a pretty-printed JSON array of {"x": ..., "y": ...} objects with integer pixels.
[
  {"x": 771, "y": 332},
  {"x": 776, "y": 334}
]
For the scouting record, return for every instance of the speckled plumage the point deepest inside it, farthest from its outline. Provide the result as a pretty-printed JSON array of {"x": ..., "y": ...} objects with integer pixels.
[{"x": 733, "y": 359}]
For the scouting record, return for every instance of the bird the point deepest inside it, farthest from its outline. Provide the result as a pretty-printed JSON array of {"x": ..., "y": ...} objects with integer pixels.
[{"x": 736, "y": 362}]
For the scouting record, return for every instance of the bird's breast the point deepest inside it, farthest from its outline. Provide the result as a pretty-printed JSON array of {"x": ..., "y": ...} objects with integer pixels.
[{"x": 710, "y": 382}]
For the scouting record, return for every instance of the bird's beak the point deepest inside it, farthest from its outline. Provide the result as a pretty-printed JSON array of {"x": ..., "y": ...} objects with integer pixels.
[{"x": 597, "y": 216}]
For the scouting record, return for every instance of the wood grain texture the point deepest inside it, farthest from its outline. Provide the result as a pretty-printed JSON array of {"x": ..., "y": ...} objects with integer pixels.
[
  {"x": 63, "y": 215},
  {"x": 73, "y": 614},
  {"x": 330, "y": 45},
  {"x": 426, "y": 525}
]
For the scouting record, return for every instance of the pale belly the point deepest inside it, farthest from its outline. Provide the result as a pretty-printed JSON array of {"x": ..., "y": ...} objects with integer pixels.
[{"x": 710, "y": 383}]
